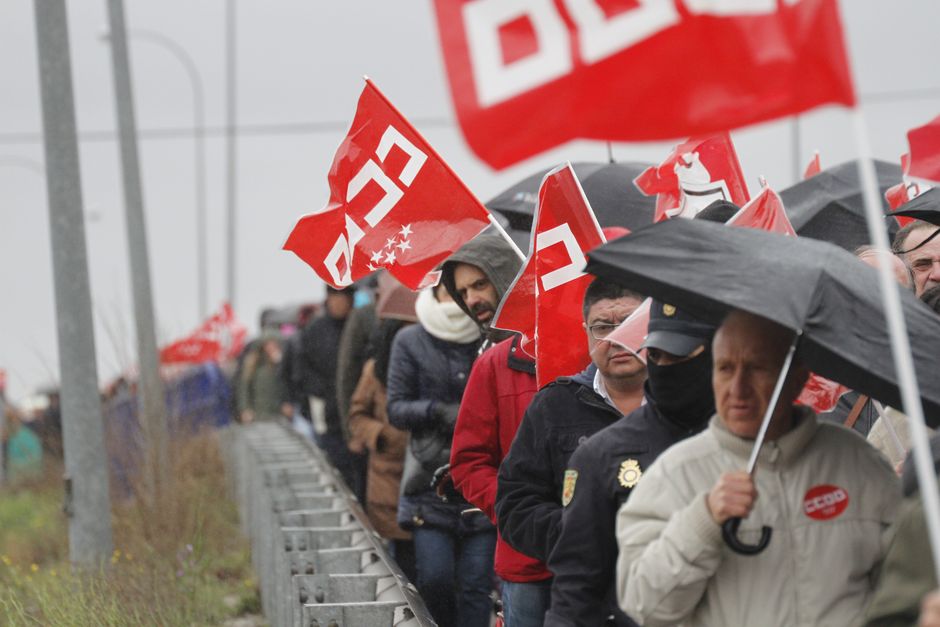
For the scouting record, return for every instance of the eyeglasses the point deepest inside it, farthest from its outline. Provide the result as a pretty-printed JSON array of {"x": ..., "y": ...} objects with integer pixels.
[{"x": 601, "y": 330}]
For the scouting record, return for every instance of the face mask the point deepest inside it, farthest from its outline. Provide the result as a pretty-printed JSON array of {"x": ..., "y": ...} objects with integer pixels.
[{"x": 683, "y": 392}]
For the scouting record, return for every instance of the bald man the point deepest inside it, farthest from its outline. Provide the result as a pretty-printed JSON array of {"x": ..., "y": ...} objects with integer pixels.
[
  {"x": 902, "y": 274},
  {"x": 827, "y": 494}
]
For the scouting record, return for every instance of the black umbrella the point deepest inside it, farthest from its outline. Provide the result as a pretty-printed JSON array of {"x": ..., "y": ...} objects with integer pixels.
[
  {"x": 830, "y": 205},
  {"x": 925, "y": 207},
  {"x": 608, "y": 186},
  {"x": 827, "y": 297}
]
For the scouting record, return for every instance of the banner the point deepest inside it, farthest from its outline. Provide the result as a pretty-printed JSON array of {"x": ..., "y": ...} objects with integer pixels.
[
  {"x": 394, "y": 204},
  {"x": 528, "y": 75}
]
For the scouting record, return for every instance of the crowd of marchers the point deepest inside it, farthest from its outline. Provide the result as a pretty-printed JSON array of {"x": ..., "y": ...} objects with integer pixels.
[{"x": 601, "y": 498}]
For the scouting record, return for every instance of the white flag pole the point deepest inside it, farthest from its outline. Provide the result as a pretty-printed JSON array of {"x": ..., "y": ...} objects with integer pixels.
[
  {"x": 900, "y": 346},
  {"x": 499, "y": 229}
]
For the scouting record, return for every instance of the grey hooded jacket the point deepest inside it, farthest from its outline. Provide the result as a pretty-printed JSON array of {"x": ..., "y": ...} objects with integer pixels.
[{"x": 500, "y": 263}]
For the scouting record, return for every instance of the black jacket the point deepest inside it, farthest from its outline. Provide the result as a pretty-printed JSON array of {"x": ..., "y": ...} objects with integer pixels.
[
  {"x": 584, "y": 557},
  {"x": 315, "y": 367},
  {"x": 562, "y": 415},
  {"x": 425, "y": 371}
]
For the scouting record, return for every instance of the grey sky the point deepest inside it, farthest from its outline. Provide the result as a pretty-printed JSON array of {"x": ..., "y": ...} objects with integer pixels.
[{"x": 301, "y": 62}]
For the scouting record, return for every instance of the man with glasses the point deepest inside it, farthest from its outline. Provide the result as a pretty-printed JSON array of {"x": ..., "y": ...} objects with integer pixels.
[
  {"x": 533, "y": 484},
  {"x": 918, "y": 245},
  {"x": 679, "y": 402}
]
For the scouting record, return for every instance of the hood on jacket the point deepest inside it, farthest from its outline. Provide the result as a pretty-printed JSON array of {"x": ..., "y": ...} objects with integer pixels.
[{"x": 490, "y": 253}]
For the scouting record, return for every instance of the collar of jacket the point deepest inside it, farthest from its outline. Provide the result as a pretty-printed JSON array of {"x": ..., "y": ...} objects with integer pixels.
[
  {"x": 782, "y": 451},
  {"x": 585, "y": 392},
  {"x": 517, "y": 359}
]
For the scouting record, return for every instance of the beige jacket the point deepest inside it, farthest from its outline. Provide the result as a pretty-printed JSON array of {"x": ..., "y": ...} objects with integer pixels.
[{"x": 674, "y": 567}]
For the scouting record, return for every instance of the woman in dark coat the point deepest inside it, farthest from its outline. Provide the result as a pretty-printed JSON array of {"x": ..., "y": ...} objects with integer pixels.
[{"x": 454, "y": 542}]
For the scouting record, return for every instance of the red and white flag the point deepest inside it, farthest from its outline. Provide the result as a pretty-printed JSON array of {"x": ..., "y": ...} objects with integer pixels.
[
  {"x": 813, "y": 168},
  {"x": 696, "y": 173},
  {"x": 526, "y": 76},
  {"x": 765, "y": 211},
  {"x": 909, "y": 188},
  {"x": 394, "y": 204},
  {"x": 544, "y": 302},
  {"x": 565, "y": 231},
  {"x": 821, "y": 394},
  {"x": 220, "y": 337},
  {"x": 632, "y": 332},
  {"x": 516, "y": 311}
]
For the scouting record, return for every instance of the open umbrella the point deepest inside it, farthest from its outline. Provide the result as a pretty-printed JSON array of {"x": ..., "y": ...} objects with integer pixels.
[
  {"x": 829, "y": 299},
  {"x": 608, "y": 186},
  {"x": 829, "y": 206},
  {"x": 925, "y": 207}
]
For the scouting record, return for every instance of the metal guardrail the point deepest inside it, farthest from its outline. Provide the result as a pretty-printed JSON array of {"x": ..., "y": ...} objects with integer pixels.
[{"x": 318, "y": 559}]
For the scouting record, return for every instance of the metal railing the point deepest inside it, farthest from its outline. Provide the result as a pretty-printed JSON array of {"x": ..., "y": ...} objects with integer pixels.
[{"x": 318, "y": 559}]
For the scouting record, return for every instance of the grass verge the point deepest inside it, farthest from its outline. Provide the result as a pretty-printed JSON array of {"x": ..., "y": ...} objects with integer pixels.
[{"x": 182, "y": 561}]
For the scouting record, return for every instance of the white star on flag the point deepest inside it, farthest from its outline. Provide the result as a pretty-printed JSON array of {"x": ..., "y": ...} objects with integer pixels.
[
  {"x": 390, "y": 257},
  {"x": 403, "y": 245},
  {"x": 376, "y": 257},
  {"x": 405, "y": 230},
  {"x": 389, "y": 242}
]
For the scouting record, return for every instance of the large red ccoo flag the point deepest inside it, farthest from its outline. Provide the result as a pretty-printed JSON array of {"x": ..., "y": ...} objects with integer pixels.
[
  {"x": 394, "y": 204},
  {"x": 565, "y": 231},
  {"x": 696, "y": 173},
  {"x": 528, "y": 75}
]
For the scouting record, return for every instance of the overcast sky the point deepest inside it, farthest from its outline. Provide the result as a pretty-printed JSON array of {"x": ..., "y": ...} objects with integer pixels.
[{"x": 300, "y": 63}]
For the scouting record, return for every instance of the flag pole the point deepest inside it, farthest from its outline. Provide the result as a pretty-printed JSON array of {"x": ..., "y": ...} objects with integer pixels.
[
  {"x": 499, "y": 229},
  {"x": 900, "y": 344}
]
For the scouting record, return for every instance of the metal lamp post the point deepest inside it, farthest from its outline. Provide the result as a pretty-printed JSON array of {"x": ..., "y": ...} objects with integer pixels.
[{"x": 199, "y": 164}]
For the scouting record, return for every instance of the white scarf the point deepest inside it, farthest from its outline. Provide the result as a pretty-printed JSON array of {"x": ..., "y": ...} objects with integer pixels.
[{"x": 445, "y": 321}]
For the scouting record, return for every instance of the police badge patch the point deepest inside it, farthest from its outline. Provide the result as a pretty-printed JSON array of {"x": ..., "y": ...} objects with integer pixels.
[
  {"x": 629, "y": 474},
  {"x": 567, "y": 491}
]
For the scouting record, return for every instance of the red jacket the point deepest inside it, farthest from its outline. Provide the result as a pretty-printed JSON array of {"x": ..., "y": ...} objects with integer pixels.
[{"x": 500, "y": 387}]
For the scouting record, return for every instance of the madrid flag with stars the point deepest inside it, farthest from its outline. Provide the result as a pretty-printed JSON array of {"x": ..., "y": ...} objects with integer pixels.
[{"x": 394, "y": 204}]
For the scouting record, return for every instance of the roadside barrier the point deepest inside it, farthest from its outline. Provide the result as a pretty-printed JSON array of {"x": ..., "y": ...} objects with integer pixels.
[{"x": 318, "y": 559}]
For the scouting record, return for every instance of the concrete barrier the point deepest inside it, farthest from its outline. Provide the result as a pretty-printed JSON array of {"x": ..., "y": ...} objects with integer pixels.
[{"x": 318, "y": 560}]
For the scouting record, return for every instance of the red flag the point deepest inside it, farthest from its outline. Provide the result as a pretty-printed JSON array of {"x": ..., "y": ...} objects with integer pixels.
[
  {"x": 908, "y": 189},
  {"x": 696, "y": 173},
  {"x": 394, "y": 204},
  {"x": 528, "y": 76},
  {"x": 565, "y": 230},
  {"x": 765, "y": 211},
  {"x": 821, "y": 394},
  {"x": 516, "y": 311},
  {"x": 813, "y": 168},
  {"x": 924, "y": 142},
  {"x": 632, "y": 332},
  {"x": 220, "y": 337}
]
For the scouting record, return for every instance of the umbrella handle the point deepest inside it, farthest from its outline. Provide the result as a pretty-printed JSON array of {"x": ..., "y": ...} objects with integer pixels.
[{"x": 729, "y": 532}]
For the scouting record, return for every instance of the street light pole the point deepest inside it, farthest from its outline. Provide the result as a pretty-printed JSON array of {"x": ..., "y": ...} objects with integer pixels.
[
  {"x": 88, "y": 500},
  {"x": 231, "y": 93},
  {"x": 150, "y": 388},
  {"x": 199, "y": 164}
]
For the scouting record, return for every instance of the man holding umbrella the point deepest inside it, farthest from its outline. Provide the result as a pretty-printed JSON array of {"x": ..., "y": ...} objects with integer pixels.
[{"x": 828, "y": 496}]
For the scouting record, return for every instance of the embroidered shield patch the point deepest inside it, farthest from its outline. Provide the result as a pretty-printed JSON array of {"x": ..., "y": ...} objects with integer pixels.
[
  {"x": 630, "y": 473},
  {"x": 567, "y": 491}
]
